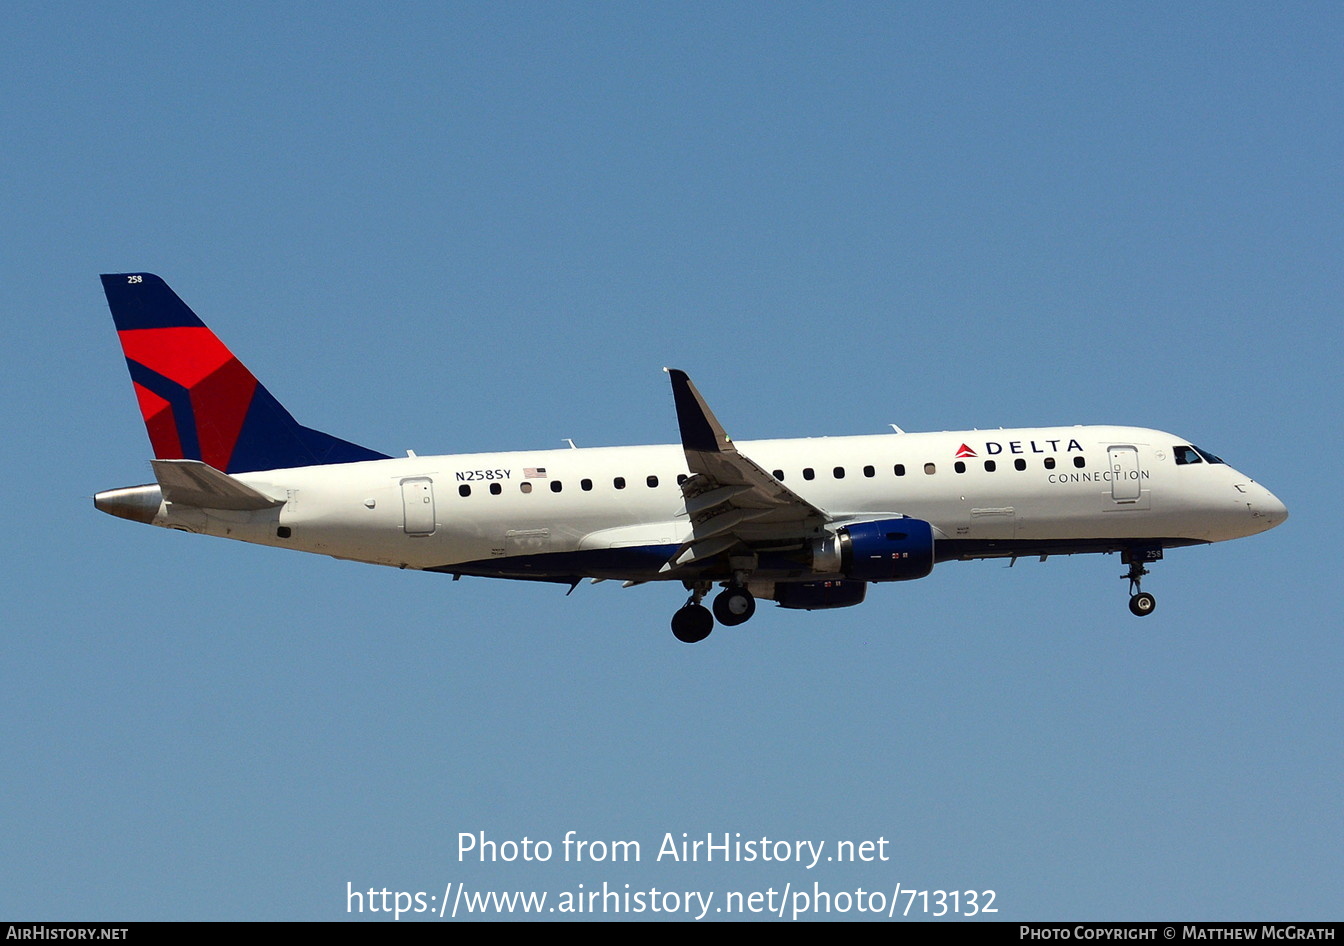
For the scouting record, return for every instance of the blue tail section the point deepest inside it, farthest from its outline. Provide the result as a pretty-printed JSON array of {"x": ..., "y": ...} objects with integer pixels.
[{"x": 200, "y": 402}]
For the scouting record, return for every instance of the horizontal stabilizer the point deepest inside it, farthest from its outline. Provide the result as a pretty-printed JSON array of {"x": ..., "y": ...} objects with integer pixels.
[{"x": 193, "y": 483}]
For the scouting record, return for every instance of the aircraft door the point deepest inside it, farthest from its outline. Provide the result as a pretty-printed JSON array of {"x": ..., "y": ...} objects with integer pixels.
[
  {"x": 417, "y": 501},
  {"x": 1126, "y": 478}
]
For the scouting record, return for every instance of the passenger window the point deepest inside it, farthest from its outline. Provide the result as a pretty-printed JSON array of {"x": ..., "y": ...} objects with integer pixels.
[
  {"x": 464, "y": 490},
  {"x": 556, "y": 486},
  {"x": 990, "y": 466},
  {"x": 959, "y": 466},
  {"x": 1079, "y": 462},
  {"x": 682, "y": 478},
  {"x": 778, "y": 474},
  {"x": 1019, "y": 464},
  {"x": 1049, "y": 463},
  {"x": 899, "y": 469},
  {"x": 930, "y": 469},
  {"x": 525, "y": 487},
  {"x": 586, "y": 485},
  {"x": 496, "y": 489},
  {"x": 838, "y": 472},
  {"x": 652, "y": 481},
  {"x": 619, "y": 482},
  {"x": 807, "y": 473},
  {"x": 869, "y": 472}
]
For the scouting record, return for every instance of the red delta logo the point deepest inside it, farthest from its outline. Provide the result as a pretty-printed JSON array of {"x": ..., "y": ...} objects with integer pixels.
[{"x": 964, "y": 451}]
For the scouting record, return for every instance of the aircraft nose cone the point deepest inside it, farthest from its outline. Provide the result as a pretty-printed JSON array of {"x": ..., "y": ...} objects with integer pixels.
[{"x": 1268, "y": 507}]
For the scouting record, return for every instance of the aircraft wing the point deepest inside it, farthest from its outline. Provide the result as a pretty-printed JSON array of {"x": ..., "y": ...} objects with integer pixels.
[{"x": 727, "y": 490}]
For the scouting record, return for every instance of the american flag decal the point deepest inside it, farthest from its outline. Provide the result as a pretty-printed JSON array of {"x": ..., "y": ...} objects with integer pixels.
[{"x": 534, "y": 473}]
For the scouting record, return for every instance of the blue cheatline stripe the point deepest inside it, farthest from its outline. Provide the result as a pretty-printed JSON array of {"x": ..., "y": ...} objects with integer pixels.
[{"x": 569, "y": 566}]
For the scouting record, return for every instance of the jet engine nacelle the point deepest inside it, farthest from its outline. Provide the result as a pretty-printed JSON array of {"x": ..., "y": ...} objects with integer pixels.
[
  {"x": 880, "y": 550},
  {"x": 820, "y": 595}
]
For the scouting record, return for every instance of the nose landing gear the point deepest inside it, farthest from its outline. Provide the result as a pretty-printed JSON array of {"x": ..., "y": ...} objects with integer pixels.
[{"x": 1141, "y": 603}]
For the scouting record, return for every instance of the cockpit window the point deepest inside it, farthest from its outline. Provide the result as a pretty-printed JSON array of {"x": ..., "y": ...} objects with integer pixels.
[{"x": 1186, "y": 454}]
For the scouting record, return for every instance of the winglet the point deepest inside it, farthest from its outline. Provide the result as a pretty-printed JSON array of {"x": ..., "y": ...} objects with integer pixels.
[
  {"x": 728, "y": 490},
  {"x": 700, "y": 429}
]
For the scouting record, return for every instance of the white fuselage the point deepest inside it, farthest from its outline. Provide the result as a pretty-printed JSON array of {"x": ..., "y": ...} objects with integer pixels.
[{"x": 986, "y": 493}]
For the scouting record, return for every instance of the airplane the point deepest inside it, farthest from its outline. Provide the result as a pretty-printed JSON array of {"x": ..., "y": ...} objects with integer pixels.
[{"x": 806, "y": 523}]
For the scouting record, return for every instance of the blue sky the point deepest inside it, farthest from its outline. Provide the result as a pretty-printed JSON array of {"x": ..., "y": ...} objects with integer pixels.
[{"x": 449, "y": 227}]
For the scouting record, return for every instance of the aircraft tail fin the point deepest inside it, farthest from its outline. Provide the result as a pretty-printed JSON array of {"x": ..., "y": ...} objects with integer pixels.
[{"x": 199, "y": 402}]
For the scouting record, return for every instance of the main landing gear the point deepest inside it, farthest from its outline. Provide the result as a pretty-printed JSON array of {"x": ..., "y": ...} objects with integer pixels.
[
  {"x": 693, "y": 622},
  {"x": 1141, "y": 603},
  {"x": 734, "y": 605}
]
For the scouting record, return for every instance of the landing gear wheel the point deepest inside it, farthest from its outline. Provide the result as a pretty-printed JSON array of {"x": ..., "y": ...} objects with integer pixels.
[
  {"x": 692, "y": 623},
  {"x": 734, "y": 606},
  {"x": 1142, "y": 604}
]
